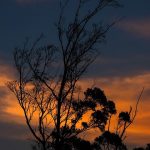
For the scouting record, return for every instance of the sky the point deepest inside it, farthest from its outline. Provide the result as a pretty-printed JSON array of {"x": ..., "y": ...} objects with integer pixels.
[{"x": 121, "y": 70}]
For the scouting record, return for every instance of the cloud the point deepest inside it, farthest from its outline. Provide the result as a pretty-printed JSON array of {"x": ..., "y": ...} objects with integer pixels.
[
  {"x": 13, "y": 135},
  {"x": 31, "y": 1},
  {"x": 140, "y": 28},
  {"x": 140, "y": 138},
  {"x": 6, "y": 97},
  {"x": 124, "y": 63},
  {"x": 121, "y": 87},
  {"x": 7, "y": 71},
  {"x": 14, "y": 144},
  {"x": 13, "y": 131}
]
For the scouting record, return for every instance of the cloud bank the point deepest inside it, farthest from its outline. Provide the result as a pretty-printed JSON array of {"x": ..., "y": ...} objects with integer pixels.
[
  {"x": 140, "y": 28},
  {"x": 31, "y": 1}
]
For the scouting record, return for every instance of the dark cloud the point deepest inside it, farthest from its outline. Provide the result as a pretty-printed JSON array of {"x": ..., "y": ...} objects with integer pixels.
[
  {"x": 3, "y": 92},
  {"x": 14, "y": 144},
  {"x": 146, "y": 94},
  {"x": 3, "y": 98},
  {"x": 121, "y": 54},
  {"x": 141, "y": 139},
  {"x": 121, "y": 66},
  {"x": 13, "y": 136},
  {"x": 13, "y": 130},
  {"x": 7, "y": 69},
  {"x": 138, "y": 27},
  {"x": 6, "y": 99},
  {"x": 32, "y": 1}
]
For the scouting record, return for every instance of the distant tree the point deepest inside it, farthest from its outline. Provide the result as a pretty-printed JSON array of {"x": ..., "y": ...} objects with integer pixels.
[{"x": 109, "y": 141}]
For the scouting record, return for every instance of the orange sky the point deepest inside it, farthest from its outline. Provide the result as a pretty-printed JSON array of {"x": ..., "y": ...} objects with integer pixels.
[{"x": 123, "y": 90}]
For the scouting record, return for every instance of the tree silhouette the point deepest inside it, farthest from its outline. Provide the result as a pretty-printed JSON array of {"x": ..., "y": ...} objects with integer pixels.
[
  {"x": 109, "y": 141},
  {"x": 47, "y": 86},
  {"x": 139, "y": 148},
  {"x": 148, "y": 146},
  {"x": 125, "y": 119}
]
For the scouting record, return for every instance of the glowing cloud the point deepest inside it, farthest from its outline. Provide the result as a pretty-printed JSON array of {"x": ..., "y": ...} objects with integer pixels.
[{"x": 138, "y": 27}]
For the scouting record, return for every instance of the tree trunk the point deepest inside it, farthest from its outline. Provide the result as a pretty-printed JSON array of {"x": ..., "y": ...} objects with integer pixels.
[{"x": 57, "y": 146}]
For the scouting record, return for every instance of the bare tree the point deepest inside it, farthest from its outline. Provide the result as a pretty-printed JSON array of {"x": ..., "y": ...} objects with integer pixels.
[
  {"x": 47, "y": 88},
  {"x": 125, "y": 119}
]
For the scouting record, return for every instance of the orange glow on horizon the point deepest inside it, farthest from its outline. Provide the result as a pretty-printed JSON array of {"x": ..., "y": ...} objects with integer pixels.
[{"x": 124, "y": 91}]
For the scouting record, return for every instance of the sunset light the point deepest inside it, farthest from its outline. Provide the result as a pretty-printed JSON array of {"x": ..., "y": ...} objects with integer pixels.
[{"x": 68, "y": 70}]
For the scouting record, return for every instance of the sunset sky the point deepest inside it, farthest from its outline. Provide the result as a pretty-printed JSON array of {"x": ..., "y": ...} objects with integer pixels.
[{"x": 121, "y": 70}]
